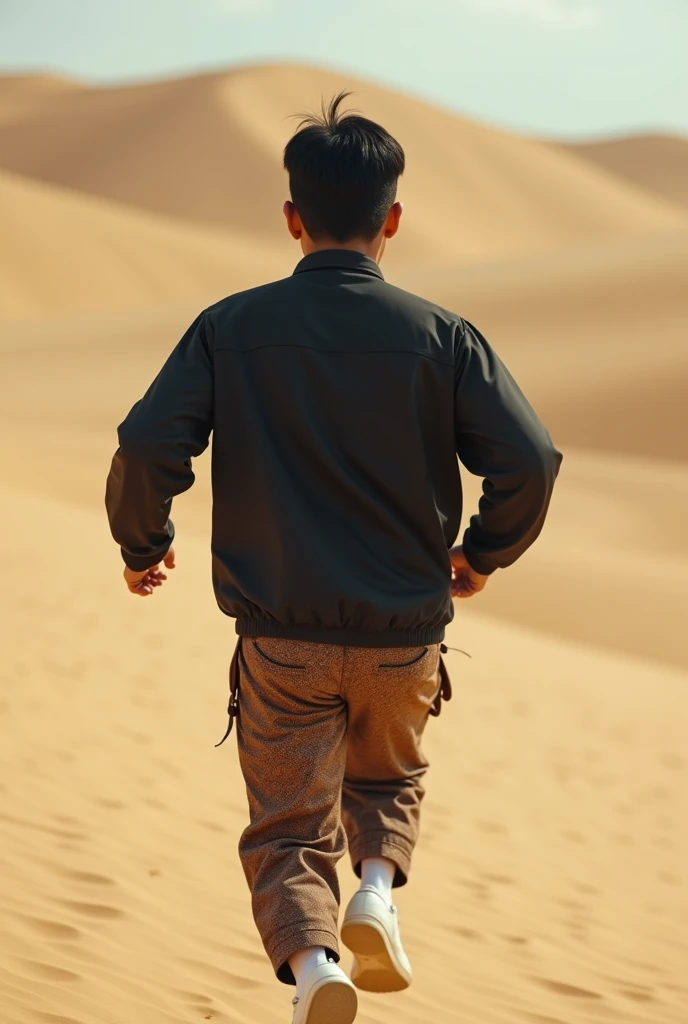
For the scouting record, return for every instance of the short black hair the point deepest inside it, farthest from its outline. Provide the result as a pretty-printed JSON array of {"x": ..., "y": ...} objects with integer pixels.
[{"x": 343, "y": 172}]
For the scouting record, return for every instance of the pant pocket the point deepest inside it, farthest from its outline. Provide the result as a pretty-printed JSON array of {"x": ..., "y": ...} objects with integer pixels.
[
  {"x": 409, "y": 658},
  {"x": 277, "y": 653}
]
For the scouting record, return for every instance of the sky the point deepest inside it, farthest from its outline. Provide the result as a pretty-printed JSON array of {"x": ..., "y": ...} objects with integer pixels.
[{"x": 560, "y": 68}]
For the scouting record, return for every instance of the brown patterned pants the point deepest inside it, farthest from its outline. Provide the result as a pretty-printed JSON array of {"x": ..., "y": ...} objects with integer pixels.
[{"x": 329, "y": 746}]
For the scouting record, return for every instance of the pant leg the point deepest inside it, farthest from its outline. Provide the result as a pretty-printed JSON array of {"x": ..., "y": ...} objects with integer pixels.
[
  {"x": 389, "y": 692},
  {"x": 291, "y": 731}
]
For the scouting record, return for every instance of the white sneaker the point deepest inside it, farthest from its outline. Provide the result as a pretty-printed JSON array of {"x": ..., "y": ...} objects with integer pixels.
[
  {"x": 328, "y": 998},
  {"x": 371, "y": 931}
]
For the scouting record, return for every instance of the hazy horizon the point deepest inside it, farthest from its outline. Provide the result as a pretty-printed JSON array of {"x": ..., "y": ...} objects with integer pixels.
[{"x": 564, "y": 69}]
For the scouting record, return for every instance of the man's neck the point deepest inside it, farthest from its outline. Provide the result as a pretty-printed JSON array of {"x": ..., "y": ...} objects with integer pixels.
[{"x": 372, "y": 249}]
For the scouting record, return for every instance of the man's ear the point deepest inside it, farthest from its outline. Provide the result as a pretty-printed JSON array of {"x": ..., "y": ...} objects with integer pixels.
[
  {"x": 392, "y": 222},
  {"x": 293, "y": 220}
]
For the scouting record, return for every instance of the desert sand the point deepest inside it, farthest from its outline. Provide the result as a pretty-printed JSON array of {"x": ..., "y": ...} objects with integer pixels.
[
  {"x": 557, "y": 807},
  {"x": 207, "y": 149},
  {"x": 64, "y": 253},
  {"x": 658, "y": 163}
]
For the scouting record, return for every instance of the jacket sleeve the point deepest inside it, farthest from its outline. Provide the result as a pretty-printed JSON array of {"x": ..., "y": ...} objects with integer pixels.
[
  {"x": 500, "y": 438},
  {"x": 157, "y": 441}
]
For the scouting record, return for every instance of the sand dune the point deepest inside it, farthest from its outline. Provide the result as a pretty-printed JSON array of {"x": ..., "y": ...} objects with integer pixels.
[
  {"x": 21, "y": 95},
  {"x": 596, "y": 334},
  {"x": 61, "y": 252},
  {"x": 657, "y": 163},
  {"x": 558, "y": 798},
  {"x": 133, "y": 215},
  {"x": 556, "y": 815},
  {"x": 208, "y": 149}
]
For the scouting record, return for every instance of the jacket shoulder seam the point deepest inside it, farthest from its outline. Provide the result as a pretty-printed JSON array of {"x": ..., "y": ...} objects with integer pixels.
[{"x": 339, "y": 351}]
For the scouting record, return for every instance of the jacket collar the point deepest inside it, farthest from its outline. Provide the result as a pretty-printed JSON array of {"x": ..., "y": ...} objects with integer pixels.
[{"x": 339, "y": 259}]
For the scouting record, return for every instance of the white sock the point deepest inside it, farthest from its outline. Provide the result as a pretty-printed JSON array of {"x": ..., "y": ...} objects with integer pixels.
[
  {"x": 305, "y": 961},
  {"x": 379, "y": 872}
]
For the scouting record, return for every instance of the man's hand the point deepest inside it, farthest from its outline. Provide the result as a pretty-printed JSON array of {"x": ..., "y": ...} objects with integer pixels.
[
  {"x": 465, "y": 581},
  {"x": 143, "y": 583}
]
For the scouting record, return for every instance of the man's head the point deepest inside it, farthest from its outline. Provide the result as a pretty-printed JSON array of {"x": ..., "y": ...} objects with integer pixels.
[{"x": 343, "y": 172}]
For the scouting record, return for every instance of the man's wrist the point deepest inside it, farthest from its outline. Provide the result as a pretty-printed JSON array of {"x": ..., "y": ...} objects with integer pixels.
[
  {"x": 140, "y": 563},
  {"x": 477, "y": 563}
]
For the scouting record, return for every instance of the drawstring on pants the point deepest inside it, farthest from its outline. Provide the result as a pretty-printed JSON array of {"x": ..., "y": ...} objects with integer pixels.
[
  {"x": 445, "y": 691},
  {"x": 444, "y": 649},
  {"x": 234, "y": 675}
]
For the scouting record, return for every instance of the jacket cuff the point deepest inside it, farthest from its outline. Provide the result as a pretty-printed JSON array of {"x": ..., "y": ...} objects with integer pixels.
[
  {"x": 139, "y": 563},
  {"x": 477, "y": 562}
]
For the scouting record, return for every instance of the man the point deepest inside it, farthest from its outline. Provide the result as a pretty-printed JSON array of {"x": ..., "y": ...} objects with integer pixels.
[{"x": 338, "y": 405}]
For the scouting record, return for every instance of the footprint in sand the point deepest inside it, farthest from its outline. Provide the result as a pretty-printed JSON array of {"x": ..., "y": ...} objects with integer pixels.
[
  {"x": 564, "y": 989},
  {"x": 213, "y": 826},
  {"x": 575, "y": 837},
  {"x": 195, "y": 997},
  {"x": 638, "y": 995},
  {"x": 168, "y": 767},
  {"x": 498, "y": 879},
  {"x": 93, "y": 910},
  {"x": 574, "y": 905},
  {"x": 89, "y": 878},
  {"x": 589, "y": 890},
  {"x": 51, "y": 1018},
  {"x": 46, "y": 972},
  {"x": 110, "y": 805},
  {"x": 537, "y": 1018},
  {"x": 145, "y": 682},
  {"x": 479, "y": 890},
  {"x": 672, "y": 761},
  {"x": 155, "y": 804},
  {"x": 491, "y": 827},
  {"x": 51, "y": 929},
  {"x": 217, "y": 976},
  {"x": 662, "y": 843},
  {"x": 465, "y": 933},
  {"x": 65, "y": 819},
  {"x": 59, "y": 833}
]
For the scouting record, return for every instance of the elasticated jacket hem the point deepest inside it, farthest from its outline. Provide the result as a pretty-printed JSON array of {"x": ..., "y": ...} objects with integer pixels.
[{"x": 346, "y": 637}]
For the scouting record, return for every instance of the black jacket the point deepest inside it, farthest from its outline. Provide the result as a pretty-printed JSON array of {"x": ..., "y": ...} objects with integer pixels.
[{"x": 338, "y": 405}]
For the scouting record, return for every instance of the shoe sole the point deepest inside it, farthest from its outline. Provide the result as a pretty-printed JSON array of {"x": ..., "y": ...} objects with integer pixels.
[
  {"x": 375, "y": 968},
  {"x": 333, "y": 1002}
]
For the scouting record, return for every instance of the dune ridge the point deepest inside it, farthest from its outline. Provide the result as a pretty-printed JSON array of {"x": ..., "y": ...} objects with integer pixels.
[
  {"x": 656, "y": 163},
  {"x": 65, "y": 253},
  {"x": 596, "y": 334},
  {"x": 135, "y": 195},
  {"x": 21, "y": 95},
  {"x": 207, "y": 148}
]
